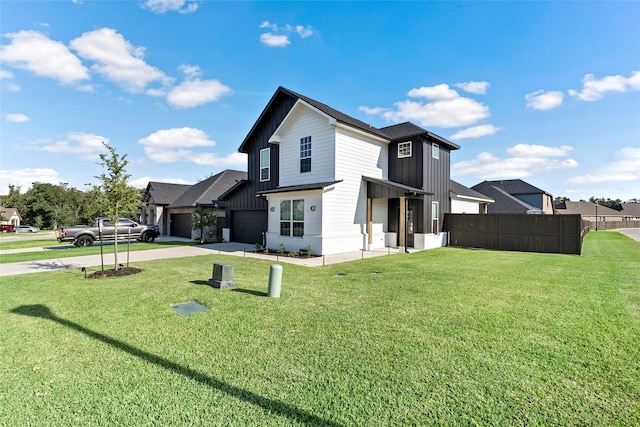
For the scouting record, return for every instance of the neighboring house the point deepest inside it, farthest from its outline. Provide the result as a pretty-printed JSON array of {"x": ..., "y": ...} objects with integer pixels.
[
  {"x": 10, "y": 216},
  {"x": 629, "y": 211},
  {"x": 467, "y": 201},
  {"x": 589, "y": 211},
  {"x": 171, "y": 205},
  {"x": 338, "y": 184},
  {"x": 157, "y": 196},
  {"x": 515, "y": 196}
]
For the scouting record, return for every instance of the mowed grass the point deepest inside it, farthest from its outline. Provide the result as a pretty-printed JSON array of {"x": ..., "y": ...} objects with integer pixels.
[
  {"x": 442, "y": 337},
  {"x": 57, "y": 250}
]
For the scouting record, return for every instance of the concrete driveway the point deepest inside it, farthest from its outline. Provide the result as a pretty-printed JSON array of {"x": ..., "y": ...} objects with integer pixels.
[{"x": 634, "y": 233}]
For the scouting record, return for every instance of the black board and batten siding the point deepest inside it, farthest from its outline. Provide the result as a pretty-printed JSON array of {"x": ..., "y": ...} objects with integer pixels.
[
  {"x": 248, "y": 213},
  {"x": 525, "y": 233}
]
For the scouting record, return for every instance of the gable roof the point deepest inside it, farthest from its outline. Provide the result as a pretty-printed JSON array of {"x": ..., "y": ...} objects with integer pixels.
[
  {"x": 163, "y": 193},
  {"x": 208, "y": 190},
  {"x": 628, "y": 209},
  {"x": 585, "y": 209},
  {"x": 390, "y": 133},
  {"x": 503, "y": 201},
  {"x": 463, "y": 192},
  {"x": 9, "y": 213},
  {"x": 512, "y": 186}
]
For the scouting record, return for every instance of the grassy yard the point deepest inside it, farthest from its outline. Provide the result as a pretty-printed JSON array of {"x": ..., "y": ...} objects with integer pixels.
[
  {"x": 442, "y": 337},
  {"x": 58, "y": 250}
]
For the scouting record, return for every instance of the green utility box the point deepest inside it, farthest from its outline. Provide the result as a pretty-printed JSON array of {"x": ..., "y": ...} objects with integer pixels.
[{"x": 222, "y": 276}]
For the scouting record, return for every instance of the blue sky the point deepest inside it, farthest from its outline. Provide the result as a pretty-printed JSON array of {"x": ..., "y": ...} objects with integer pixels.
[{"x": 548, "y": 92}]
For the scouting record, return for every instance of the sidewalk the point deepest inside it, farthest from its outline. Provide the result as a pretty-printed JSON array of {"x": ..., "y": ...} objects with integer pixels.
[{"x": 235, "y": 249}]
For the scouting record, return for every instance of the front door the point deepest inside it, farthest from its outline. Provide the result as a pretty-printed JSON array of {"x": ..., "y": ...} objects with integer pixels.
[{"x": 410, "y": 228}]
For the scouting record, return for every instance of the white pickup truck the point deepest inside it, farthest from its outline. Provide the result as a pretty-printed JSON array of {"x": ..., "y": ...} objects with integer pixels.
[{"x": 103, "y": 230}]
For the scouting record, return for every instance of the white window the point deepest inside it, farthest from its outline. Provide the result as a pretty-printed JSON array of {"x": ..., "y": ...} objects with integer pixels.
[
  {"x": 435, "y": 212},
  {"x": 265, "y": 164},
  {"x": 404, "y": 149},
  {"x": 305, "y": 154},
  {"x": 435, "y": 151},
  {"x": 292, "y": 218}
]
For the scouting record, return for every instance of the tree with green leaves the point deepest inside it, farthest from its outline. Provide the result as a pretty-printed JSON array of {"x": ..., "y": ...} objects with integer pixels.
[
  {"x": 203, "y": 217},
  {"x": 117, "y": 195}
]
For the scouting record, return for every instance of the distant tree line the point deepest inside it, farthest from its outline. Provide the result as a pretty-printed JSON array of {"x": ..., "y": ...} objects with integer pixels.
[
  {"x": 610, "y": 203},
  {"x": 50, "y": 206}
]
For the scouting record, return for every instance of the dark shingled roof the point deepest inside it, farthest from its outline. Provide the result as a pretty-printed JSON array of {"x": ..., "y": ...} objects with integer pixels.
[
  {"x": 584, "y": 208},
  {"x": 628, "y": 209},
  {"x": 163, "y": 193},
  {"x": 205, "y": 192},
  {"x": 400, "y": 131},
  {"x": 503, "y": 201},
  {"x": 460, "y": 190},
  {"x": 513, "y": 186}
]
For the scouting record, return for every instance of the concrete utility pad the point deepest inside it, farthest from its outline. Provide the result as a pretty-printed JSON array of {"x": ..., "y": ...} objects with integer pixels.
[{"x": 188, "y": 308}]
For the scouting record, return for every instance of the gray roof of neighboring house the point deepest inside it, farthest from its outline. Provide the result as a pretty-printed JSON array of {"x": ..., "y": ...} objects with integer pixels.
[
  {"x": 164, "y": 193},
  {"x": 205, "y": 192},
  {"x": 460, "y": 190},
  {"x": 584, "y": 208},
  {"x": 9, "y": 212},
  {"x": 628, "y": 209},
  {"x": 511, "y": 186},
  {"x": 400, "y": 131},
  {"x": 504, "y": 202}
]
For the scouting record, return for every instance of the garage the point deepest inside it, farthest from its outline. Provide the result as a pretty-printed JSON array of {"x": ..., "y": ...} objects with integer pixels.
[
  {"x": 181, "y": 225},
  {"x": 248, "y": 226}
]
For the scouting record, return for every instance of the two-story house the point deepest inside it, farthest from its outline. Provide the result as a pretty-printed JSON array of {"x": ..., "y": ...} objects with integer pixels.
[{"x": 319, "y": 177}]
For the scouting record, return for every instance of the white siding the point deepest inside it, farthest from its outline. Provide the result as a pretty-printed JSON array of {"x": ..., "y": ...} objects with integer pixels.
[
  {"x": 306, "y": 122},
  {"x": 464, "y": 206},
  {"x": 345, "y": 208}
]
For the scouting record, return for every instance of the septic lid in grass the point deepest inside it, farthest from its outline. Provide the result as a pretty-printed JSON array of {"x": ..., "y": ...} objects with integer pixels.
[{"x": 188, "y": 308}]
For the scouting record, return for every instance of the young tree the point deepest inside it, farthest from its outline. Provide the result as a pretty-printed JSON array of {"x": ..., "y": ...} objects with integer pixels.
[
  {"x": 201, "y": 218},
  {"x": 118, "y": 196}
]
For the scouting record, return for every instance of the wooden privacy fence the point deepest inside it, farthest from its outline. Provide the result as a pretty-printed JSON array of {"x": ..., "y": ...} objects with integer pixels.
[
  {"x": 607, "y": 225},
  {"x": 519, "y": 232}
]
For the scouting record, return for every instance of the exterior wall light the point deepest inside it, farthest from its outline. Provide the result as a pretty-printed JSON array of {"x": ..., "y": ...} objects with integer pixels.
[{"x": 313, "y": 208}]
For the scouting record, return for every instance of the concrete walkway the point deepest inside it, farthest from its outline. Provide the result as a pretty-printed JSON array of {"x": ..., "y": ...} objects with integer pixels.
[{"x": 235, "y": 249}]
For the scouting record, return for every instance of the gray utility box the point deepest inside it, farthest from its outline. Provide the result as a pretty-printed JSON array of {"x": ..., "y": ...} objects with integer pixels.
[{"x": 222, "y": 276}]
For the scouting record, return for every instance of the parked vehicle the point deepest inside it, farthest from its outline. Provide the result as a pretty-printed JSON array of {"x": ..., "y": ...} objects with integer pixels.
[
  {"x": 7, "y": 228},
  {"x": 27, "y": 229},
  {"x": 103, "y": 230}
]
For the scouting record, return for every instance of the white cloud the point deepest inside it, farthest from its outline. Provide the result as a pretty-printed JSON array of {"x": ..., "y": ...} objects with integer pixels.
[
  {"x": 194, "y": 92},
  {"x": 17, "y": 118},
  {"x": 447, "y": 109},
  {"x": 163, "y": 6},
  {"x": 117, "y": 60},
  {"x": 5, "y": 75},
  {"x": 86, "y": 145},
  {"x": 5, "y": 80},
  {"x": 479, "y": 88},
  {"x": 174, "y": 145},
  {"x": 476, "y": 132},
  {"x": 372, "y": 111},
  {"x": 303, "y": 31},
  {"x": 274, "y": 40},
  {"x": 625, "y": 169},
  {"x": 593, "y": 89},
  {"x": 541, "y": 100},
  {"x": 278, "y": 36},
  {"x": 441, "y": 91},
  {"x": 44, "y": 57},
  {"x": 525, "y": 160},
  {"x": 23, "y": 178}
]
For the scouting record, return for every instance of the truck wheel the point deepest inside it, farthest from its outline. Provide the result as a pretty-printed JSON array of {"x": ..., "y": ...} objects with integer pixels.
[
  {"x": 84, "y": 241},
  {"x": 147, "y": 237}
]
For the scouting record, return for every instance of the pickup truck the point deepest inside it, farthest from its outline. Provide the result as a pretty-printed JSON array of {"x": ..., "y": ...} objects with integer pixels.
[{"x": 84, "y": 235}]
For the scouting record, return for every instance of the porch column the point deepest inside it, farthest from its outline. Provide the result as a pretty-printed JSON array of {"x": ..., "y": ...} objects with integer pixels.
[
  {"x": 403, "y": 222},
  {"x": 370, "y": 221}
]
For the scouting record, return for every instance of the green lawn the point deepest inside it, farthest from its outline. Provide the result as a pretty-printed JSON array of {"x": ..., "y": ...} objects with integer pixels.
[
  {"x": 58, "y": 250},
  {"x": 443, "y": 337}
]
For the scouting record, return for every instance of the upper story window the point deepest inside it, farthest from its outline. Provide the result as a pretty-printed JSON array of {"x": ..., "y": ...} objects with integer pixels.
[
  {"x": 435, "y": 151},
  {"x": 265, "y": 164},
  {"x": 404, "y": 149},
  {"x": 305, "y": 154}
]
